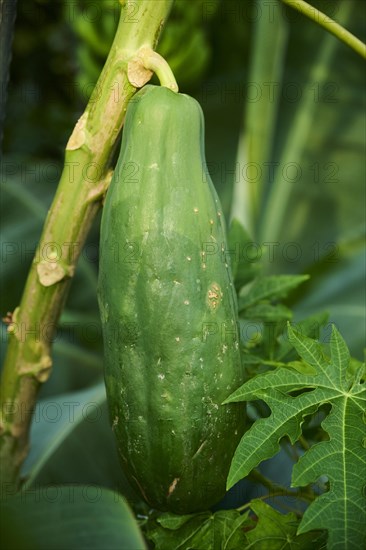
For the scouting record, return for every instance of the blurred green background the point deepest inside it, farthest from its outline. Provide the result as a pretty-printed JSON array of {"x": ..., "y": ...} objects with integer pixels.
[{"x": 284, "y": 105}]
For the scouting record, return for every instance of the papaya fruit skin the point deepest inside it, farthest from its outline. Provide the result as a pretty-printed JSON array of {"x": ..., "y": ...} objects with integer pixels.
[{"x": 168, "y": 309}]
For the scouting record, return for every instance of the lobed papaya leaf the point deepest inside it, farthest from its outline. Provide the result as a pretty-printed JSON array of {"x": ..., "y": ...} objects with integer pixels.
[{"x": 342, "y": 458}]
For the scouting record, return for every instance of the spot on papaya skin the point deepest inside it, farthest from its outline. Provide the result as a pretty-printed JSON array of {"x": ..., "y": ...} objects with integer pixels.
[
  {"x": 172, "y": 486},
  {"x": 214, "y": 296}
]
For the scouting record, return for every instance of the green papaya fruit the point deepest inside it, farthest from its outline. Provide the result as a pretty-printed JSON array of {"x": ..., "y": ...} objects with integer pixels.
[{"x": 168, "y": 309}]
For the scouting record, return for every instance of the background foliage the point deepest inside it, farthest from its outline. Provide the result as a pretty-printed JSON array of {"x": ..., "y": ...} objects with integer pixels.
[{"x": 295, "y": 111}]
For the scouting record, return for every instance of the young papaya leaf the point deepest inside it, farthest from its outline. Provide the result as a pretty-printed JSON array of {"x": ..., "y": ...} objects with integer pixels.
[
  {"x": 224, "y": 529},
  {"x": 271, "y": 287},
  {"x": 342, "y": 459},
  {"x": 69, "y": 516},
  {"x": 311, "y": 326},
  {"x": 275, "y": 531},
  {"x": 272, "y": 341},
  {"x": 300, "y": 366}
]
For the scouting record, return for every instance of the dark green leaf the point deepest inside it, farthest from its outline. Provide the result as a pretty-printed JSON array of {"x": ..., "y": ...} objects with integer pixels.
[
  {"x": 243, "y": 254},
  {"x": 272, "y": 287},
  {"x": 173, "y": 521},
  {"x": 268, "y": 313},
  {"x": 205, "y": 531},
  {"x": 311, "y": 327},
  {"x": 275, "y": 531},
  {"x": 72, "y": 441},
  {"x": 69, "y": 516}
]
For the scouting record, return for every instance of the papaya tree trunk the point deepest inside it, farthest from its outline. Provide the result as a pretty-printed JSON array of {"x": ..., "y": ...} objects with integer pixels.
[{"x": 83, "y": 182}]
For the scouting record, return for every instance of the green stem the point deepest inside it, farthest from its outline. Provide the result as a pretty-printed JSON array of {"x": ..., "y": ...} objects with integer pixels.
[
  {"x": 257, "y": 477},
  {"x": 83, "y": 182},
  {"x": 304, "y": 444},
  {"x": 279, "y": 490},
  {"x": 329, "y": 24},
  {"x": 305, "y": 498},
  {"x": 152, "y": 61}
]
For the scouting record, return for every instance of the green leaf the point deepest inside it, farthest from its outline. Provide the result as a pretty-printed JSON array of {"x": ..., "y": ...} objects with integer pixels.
[
  {"x": 339, "y": 288},
  {"x": 342, "y": 459},
  {"x": 300, "y": 366},
  {"x": 243, "y": 253},
  {"x": 269, "y": 288},
  {"x": 77, "y": 344},
  {"x": 55, "y": 420},
  {"x": 72, "y": 440},
  {"x": 275, "y": 531},
  {"x": 311, "y": 327},
  {"x": 205, "y": 531},
  {"x": 69, "y": 516},
  {"x": 268, "y": 313},
  {"x": 173, "y": 521}
]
